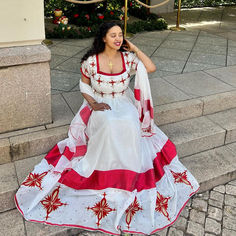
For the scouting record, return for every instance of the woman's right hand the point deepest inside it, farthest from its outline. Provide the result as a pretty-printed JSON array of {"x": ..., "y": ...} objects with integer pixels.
[{"x": 100, "y": 106}]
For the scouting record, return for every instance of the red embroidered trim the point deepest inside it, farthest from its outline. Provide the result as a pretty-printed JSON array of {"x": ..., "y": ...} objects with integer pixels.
[
  {"x": 131, "y": 211},
  {"x": 101, "y": 209},
  {"x": 34, "y": 180},
  {"x": 104, "y": 73},
  {"x": 52, "y": 202},
  {"x": 162, "y": 205},
  {"x": 84, "y": 74},
  {"x": 181, "y": 178}
]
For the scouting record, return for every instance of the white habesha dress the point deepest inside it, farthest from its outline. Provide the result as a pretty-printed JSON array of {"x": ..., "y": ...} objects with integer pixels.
[{"x": 108, "y": 177}]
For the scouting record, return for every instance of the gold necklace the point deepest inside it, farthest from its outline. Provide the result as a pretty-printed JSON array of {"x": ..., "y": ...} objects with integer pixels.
[{"x": 110, "y": 64}]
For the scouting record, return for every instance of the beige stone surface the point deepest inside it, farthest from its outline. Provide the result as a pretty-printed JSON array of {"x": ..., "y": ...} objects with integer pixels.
[
  {"x": 21, "y": 131},
  {"x": 218, "y": 102},
  {"x": 36, "y": 143},
  {"x": 177, "y": 111},
  {"x": 8, "y": 186},
  {"x": 61, "y": 112},
  {"x": 194, "y": 135},
  {"x": 4, "y": 151},
  {"x": 25, "y": 97},
  {"x": 12, "y": 224},
  {"x": 205, "y": 167},
  {"x": 11, "y": 56},
  {"x": 36, "y": 229},
  {"x": 227, "y": 120},
  {"x": 74, "y": 100},
  {"x": 25, "y": 166}
]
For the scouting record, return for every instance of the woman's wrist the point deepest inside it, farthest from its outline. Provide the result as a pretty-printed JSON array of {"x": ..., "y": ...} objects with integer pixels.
[
  {"x": 136, "y": 50},
  {"x": 92, "y": 103}
]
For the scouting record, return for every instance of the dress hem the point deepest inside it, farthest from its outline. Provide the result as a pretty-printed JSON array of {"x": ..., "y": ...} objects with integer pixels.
[{"x": 102, "y": 230}]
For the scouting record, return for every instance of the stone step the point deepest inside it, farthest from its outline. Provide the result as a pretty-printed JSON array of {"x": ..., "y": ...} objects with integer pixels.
[
  {"x": 211, "y": 168},
  {"x": 22, "y": 144},
  {"x": 13, "y": 224}
]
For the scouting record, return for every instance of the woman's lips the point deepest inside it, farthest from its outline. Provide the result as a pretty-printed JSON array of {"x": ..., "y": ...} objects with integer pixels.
[{"x": 117, "y": 44}]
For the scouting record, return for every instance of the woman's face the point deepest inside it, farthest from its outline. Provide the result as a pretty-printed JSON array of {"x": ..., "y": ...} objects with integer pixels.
[{"x": 114, "y": 38}]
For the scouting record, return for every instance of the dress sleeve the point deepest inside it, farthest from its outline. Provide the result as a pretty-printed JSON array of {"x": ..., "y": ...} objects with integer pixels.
[
  {"x": 134, "y": 60},
  {"x": 85, "y": 70}
]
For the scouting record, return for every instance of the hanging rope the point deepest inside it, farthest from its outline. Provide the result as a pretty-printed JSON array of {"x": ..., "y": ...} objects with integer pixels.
[
  {"x": 84, "y": 2},
  {"x": 153, "y": 6},
  {"x": 94, "y": 1}
]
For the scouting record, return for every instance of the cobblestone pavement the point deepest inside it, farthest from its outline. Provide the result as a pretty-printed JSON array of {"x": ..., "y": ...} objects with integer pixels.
[{"x": 209, "y": 213}]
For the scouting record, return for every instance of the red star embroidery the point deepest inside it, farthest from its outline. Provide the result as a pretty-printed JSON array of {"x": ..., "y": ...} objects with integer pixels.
[
  {"x": 122, "y": 92},
  {"x": 113, "y": 94},
  {"x": 131, "y": 211},
  {"x": 133, "y": 63},
  {"x": 52, "y": 202},
  {"x": 162, "y": 205},
  {"x": 126, "y": 54},
  {"x": 102, "y": 94},
  {"x": 181, "y": 178},
  {"x": 34, "y": 180},
  {"x": 112, "y": 82},
  {"x": 86, "y": 71},
  {"x": 99, "y": 80},
  {"x": 127, "y": 63},
  {"x": 122, "y": 81},
  {"x": 92, "y": 64},
  {"x": 101, "y": 209},
  {"x": 93, "y": 74}
]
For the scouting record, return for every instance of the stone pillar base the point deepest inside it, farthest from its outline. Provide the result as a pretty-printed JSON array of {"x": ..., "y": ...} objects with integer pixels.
[
  {"x": 25, "y": 91},
  {"x": 168, "y": 7}
]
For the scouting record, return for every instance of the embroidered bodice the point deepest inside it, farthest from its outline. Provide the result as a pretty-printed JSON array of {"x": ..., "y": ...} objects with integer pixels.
[{"x": 106, "y": 83}]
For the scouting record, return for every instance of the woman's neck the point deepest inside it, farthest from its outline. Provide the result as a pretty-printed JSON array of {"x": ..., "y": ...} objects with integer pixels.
[{"x": 111, "y": 53}]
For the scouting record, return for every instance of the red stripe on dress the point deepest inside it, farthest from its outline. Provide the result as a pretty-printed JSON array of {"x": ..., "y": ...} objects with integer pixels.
[
  {"x": 54, "y": 154},
  {"x": 137, "y": 94},
  {"x": 85, "y": 114},
  {"x": 149, "y": 108},
  {"x": 122, "y": 179},
  {"x": 84, "y": 74}
]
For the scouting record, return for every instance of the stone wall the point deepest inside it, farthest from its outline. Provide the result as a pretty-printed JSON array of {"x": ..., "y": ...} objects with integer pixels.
[{"x": 25, "y": 92}]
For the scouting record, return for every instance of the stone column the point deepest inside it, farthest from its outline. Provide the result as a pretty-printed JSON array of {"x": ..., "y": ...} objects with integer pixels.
[
  {"x": 25, "y": 91},
  {"x": 168, "y": 7}
]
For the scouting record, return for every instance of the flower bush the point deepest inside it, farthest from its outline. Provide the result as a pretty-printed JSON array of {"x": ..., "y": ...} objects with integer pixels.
[{"x": 85, "y": 20}]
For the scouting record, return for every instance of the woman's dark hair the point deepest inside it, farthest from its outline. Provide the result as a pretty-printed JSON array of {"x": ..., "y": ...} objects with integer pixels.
[{"x": 98, "y": 43}]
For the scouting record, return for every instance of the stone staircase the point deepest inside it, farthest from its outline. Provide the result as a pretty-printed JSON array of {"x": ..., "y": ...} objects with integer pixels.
[{"x": 203, "y": 129}]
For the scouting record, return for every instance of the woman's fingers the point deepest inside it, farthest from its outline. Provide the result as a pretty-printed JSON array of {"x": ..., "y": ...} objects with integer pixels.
[{"x": 102, "y": 107}]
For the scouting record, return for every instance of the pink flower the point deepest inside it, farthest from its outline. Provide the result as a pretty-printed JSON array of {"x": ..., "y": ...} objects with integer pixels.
[
  {"x": 76, "y": 15},
  {"x": 101, "y": 17},
  {"x": 112, "y": 13},
  {"x": 87, "y": 16}
]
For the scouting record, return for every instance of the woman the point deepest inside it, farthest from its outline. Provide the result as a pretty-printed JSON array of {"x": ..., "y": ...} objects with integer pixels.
[{"x": 116, "y": 171}]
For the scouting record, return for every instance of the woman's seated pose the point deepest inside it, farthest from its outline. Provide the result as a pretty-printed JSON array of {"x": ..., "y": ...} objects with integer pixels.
[{"x": 117, "y": 171}]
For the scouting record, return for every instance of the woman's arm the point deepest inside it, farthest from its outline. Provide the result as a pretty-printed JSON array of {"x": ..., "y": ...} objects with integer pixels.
[
  {"x": 91, "y": 101},
  {"x": 150, "y": 66}
]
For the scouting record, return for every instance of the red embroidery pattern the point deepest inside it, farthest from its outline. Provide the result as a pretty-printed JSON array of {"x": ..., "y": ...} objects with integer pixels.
[
  {"x": 112, "y": 82},
  {"x": 34, "y": 180},
  {"x": 127, "y": 63},
  {"x": 181, "y": 178},
  {"x": 126, "y": 54},
  {"x": 123, "y": 80},
  {"x": 52, "y": 202},
  {"x": 131, "y": 211},
  {"x": 92, "y": 64},
  {"x": 162, "y": 205},
  {"x": 99, "y": 80},
  {"x": 101, "y": 209}
]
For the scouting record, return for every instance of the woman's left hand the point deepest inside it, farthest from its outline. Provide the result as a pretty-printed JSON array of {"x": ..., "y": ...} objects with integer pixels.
[{"x": 130, "y": 47}]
